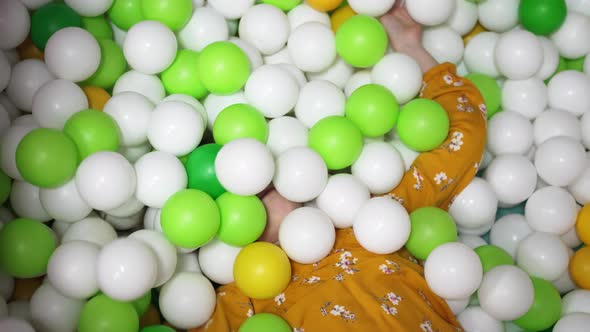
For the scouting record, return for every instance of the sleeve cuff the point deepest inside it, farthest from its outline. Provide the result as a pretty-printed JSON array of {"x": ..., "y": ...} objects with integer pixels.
[{"x": 440, "y": 70}]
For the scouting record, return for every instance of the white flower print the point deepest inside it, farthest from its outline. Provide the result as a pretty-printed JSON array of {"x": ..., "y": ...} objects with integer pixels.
[
  {"x": 300, "y": 329},
  {"x": 484, "y": 110},
  {"x": 389, "y": 310},
  {"x": 339, "y": 277},
  {"x": 347, "y": 263},
  {"x": 385, "y": 269},
  {"x": 396, "y": 197},
  {"x": 341, "y": 311},
  {"x": 280, "y": 299},
  {"x": 294, "y": 278},
  {"x": 440, "y": 177},
  {"x": 462, "y": 99},
  {"x": 311, "y": 280},
  {"x": 448, "y": 79},
  {"x": 250, "y": 313},
  {"x": 324, "y": 309},
  {"x": 418, "y": 185},
  {"x": 221, "y": 294},
  {"x": 337, "y": 310},
  {"x": 389, "y": 267},
  {"x": 394, "y": 298},
  {"x": 426, "y": 326},
  {"x": 458, "y": 83},
  {"x": 456, "y": 141}
]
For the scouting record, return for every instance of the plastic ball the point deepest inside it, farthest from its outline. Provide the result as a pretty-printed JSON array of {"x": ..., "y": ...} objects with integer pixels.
[
  {"x": 380, "y": 167},
  {"x": 265, "y": 322},
  {"x": 253, "y": 54},
  {"x": 490, "y": 90},
  {"x": 509, "y": 132},
  {"x": 97, "y": 97},
  {"x": 543, "y": 255},
  {"x": 518, "y": 54},
  {"x": 53, "y": 200},
  {"x": 423, "y": 124},
  {"x": 205, "y": 27},
  {"x": 475, "y": 206},
  {"x": 513, "y": 178},
  {"x": 112, "y": 65},
  {"x": 223, "y": 68},
  {"x": 216, "y": 260},
  {"x": 72, "y": 269},
  {"x": 92, "y": 131},
  {"x": 173, "y": 13},
  {"x": 91, "y": 229},
  {"x": 498, "y": 15},
  {"x": 570, "y": 39},
  {"x": 84, "y": 8},
  {"x": 104, "y": 312},
  {"x": 560, "y": 160},
  {"x": 492, "y": 256},
  {"x": 175, "y": 127},
  {"x": 356, "y": 36},
  {"x": 312, "y": 46},
  {"x": 27, "y": 77},
  {"x": 304, "y": 13},
  {"x": 132, "y": 112},
  {"x": 506, "y": 293},
  {"x": 240, "y": 121},
  {"x": 284, "y": 133},
  {"x": 551, "y": 210},
  {"x": 382, "y": 225},
  {"x": 576, "y": 301},
  {"x": 133, "y": 153},
  {"x": 338, "y": 73},
  {"x": 150, "y": 47},
  {"x": 272, "y": 90},
  {"x": 54, "y": 311},
  {"x": 527, "y": 97},
  {"x": 192, "y": 289},
  {"x": 190, "y": 218},
  {"x": 337, "y": 140},
  {"x": 25, "y": 202},
  {"x": 257, "y": 21},
  {"x": 550, "y": 59},
  {"x": 444, "y": 44},
  {"x": 243, "y": 219},
  {"x": 98, "y": 26},
  {"x": 15, "y": 25},
  {"x": 56, "y": 101},
  {"x": 373, "y": 8},
  {"x": 453, "y": 271},
  {"x": 430, "y": 228},
  {"x": 429, "y": 13},
  {"x": 464, "y": 17},
  {"x": 319, "y": 100},
  {"x": 47, "y": 20},
  {"x": 342, "y": 198},
  {"x": 159, "y": 176},
  {"x": 5, "y": 187},
  {"x": 572, "y": 322},
  {"x": 579, "y": 268},
  {"x": 341, "y": 15},
  {"x": 301, "y": 174},
  {"x": 546, "y": 307},
  {"x": 15, "y": 324},
  {"x": 307, "y": 235},
  {"x": 214, "y": 104},
  {"x": 373, "y": 109},
  {"x": 479, "y": 54},
  {"x": 191, "y": 101},
  {"x": 542, "y": 17},
  {"x": 582, "y": 223},
  {"x": 5, "y": 71},
  {"x": 554, "y": 123},
  {"x": 72, "y": 54},
  {"x": 244, "y": 166},
  {"x": 164, "y": 251},
  {"x": 570, "y": 91},
  {"x": 200, "y": 168},
  {"x": 46, "y": 158},
  {"x": 400, "y": 74}
]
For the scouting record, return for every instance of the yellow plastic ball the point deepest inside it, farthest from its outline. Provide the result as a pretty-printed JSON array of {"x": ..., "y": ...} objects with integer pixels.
[
  {"x": 474, "y": 32},
  {"x": 580, "y": 268},
  {"x": 97, "y": 97},
  {"x": 583, "y": 225},
  {"x": 324, "y": 5},
  {"x": 262, "y": 270},
  {"x": 340, "y": 15}
]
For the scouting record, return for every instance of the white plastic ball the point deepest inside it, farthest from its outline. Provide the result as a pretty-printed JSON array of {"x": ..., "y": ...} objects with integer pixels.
[
  {"x": 64, "y": 203},
  {"x": 464, "y": 17},
  {"x": 560, "y": 160},
  {"x": 307, "y": 235},
  {"x": 175, "y": 127},
  {"x": 508, "y": 231},
  {"x": 554, "y": 123},
  {"x": 400, "y": 74},
  {"x": 164, "y": 250},
  {"x": 453, "y": 271},
  {"x": 527, "y": 97},
  {"x": 26, "y": 203},
  {"x": 124, "y": 223},
  {"x": 479, "y": 54},
  {"x": 543, "y": 255},
  {"x": 318, "y": 100},
  {"x": 72, "y": 269},
  {"x": 13, "y": 324},
  {"x": 256, "y": 24},
  {"x": 570, "y": 91},
  {"x": 284, "y": 133},
  {"x": 296, "y": 72},
  {"x": 28, "y": 76},
  {"x": 572, "y": 37},
  {"x": 188, "y": 262},
  {"x": 498, "y": 15},
  {"x": 5, "y": 71},
  {"x": 20, "y": 309},
  {"x": 580, "y": 188},
  {"x": 585, "y": 124},
  {"x": 231, "y": 9},
  {"x": 118, "y": 34},
  {"x": 6, "y": 285},
  {"x": 382, "y": 225},
  {"x": 430, "y": 12},
  {"x": 408, "y": 155},
  {"x": 216, "y": 260},
  {"x": 159, "y": 176},
  {"x": 338, "y": 73},
  {"x": 54, "y": 312},
  {"x": 272, "y": 90},
  {"x": 472, "y": 241},
  {"x": 444, "y": 44},
  {"x": 513, "y": 178},
  {"x": 279, "y": 57},
  {"x": 73, "y": 54},
  {"x": 5, "y": 121},
  {"x": 573, "y": 322},
  {"x": 475, "y": 206},
  {"x": 3, "y": 307},
  {"x": 126, "y": 269},
  {"x": 187, "y": 300},
  {"x": 506, "y": 293},
  {"x": 132, "y": 112},
  {"x": 457, "y": 306},
  {"x": 10, "y": 141},
  {"x": 358, "y": 79},
  {"x": 342, "y": 198},
  {"x": 192, "y": 101},
  {"x": 373, "y": 8},
  {"x": 301, "y": 174},
  {"x": 576, "y": 301},
  {"x": 214, "y": 104},
  {"x": 133, "y": 153},
  {"x": 251, "y": 52},
  {"x": 129, "y": 208},
  {"x": 551, "y": 210},
  {"x": 477, "y": 231},
  {"x": 509, "y": 132},
  {"x": 312, "y": 47},
  {"x": 89, "y": 8},
  {"x": 380, "y": 167},
  {"x": 518, "y": 54},
  {"x": 149, "y": 86},
  {"x": 9, "y": 106},
  {"x": 150, "y": 47},
  {"x": 304, "y": 13},
  {"x": 580, "y": 6},
  {"x": 571, "y": 239},
  {"x": 151, "y": 217},
  {"x": 550, "y": 59},
  {"x": 15, "y": 23},
  {"x": 56, "y": 101},
  {"x": 564, "y": 283},
  {"x": 91, "y": 229},
  {"x": 244, "y": 166},
  {"x": 205, "y": 27},
  {"x": 475, "y": 318}
]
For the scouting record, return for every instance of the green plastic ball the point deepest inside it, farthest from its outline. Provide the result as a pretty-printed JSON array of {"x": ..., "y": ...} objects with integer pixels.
[
  {"x": 25, "y": 248},
  {"x": 102, "y": 314},
  {"x": 546, "y": 308},
  {"x": 112, "y": 65},
  {"x": 172, "y": 13},
  {"x": 125, "y": 13},
  {"x": 157, "y": 328},
  {"x": 183, "y": 77},
  {"x": 223, "y": 68},
  {"x": 240, "y": 121},
  {"x": 284, "y": 5},
  {"x": 431, "y": 227},
  {"x": 200, "y": 168},
  {"x": 492, "y": 256},
  {"x": 141, "y": 304},
  {"x": 576, "y": 64},
  {"x": 373, "y": 109},
  {"x": 490, "y": 91},
  {"x": 5, "y": 187},
  {"x": 98, "y": 27},
  {"x": 50, "y": 18},
  {"x": 92, "y": 131},
  {"x": 190, "y": 218},
  {"x": 542, "y": 17},
  {"x": 337, "y": 140},
  {"x": 361, "y": 41},
  {"x": 423, "y": 124},
  {"x": 243, "y": 219},
  {"x": 47, "y": 158},
  {"x": 265, "y": 322}
]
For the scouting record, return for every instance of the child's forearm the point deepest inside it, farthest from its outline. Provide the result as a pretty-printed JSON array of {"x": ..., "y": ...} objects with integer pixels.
[{"x": 420, "y": 54}]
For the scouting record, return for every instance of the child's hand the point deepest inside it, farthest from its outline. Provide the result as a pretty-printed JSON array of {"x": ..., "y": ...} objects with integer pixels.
[
  {"x": 404, "y": 33},
  {"x": 277, "y": 208}
]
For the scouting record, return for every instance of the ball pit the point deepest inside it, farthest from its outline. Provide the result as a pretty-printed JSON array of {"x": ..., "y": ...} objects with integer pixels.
[{"x": 136, "y": 134}]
